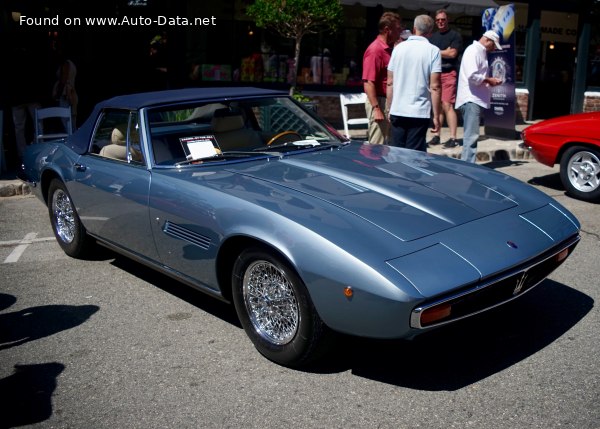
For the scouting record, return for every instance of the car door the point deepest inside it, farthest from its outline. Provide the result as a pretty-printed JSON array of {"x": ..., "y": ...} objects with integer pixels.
[
  {"x": 184, "y": 219},
  {"x": 112, "y": 182}
]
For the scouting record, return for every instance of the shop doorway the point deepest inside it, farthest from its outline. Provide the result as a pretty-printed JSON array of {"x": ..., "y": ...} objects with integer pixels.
[{"x": 554, "y": 81}]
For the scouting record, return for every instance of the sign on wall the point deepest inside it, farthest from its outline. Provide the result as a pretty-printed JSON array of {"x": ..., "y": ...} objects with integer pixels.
[
  {"x": 558, "y": 27},
  {"x": 500, "y": 118}
]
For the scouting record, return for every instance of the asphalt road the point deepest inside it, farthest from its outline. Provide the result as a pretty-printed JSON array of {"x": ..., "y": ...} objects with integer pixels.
[{"x": 108, "y": 343}]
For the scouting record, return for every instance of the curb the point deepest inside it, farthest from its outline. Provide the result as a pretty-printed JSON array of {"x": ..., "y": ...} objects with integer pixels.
[
  {"x": 11, "y": 188},
  {"x": 490, "y": 151}
]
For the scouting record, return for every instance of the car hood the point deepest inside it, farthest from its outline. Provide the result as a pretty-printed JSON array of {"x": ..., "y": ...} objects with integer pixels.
[
  {"x": 576, "y": 125},
  {"x": 409, "y": 194}
]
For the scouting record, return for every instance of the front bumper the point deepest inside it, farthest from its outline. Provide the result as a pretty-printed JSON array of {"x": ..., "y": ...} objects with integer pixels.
[{"x": 490, "y": 293}]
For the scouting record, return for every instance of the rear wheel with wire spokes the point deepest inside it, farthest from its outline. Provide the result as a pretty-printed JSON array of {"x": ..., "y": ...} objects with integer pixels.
[{"x": 68, "y": 229}]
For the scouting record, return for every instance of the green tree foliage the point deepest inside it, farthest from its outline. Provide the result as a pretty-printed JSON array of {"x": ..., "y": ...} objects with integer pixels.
[{"x": 294, "y": 19}]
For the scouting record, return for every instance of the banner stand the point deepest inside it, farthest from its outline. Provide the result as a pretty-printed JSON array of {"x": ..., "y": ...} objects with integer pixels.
[{"x": 500, "y": 119}]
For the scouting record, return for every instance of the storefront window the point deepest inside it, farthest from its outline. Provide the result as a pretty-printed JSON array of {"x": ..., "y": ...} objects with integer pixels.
[
  {"x": 593, "y": 79},
  {"x": 332, "y": 59},
  {"x": 262, "y": 56},
  {"x": 258, "y": 55},
  {"x": 206, "y": 59},
  {"x": 521, "y": 12},
  {"x": 328, "y": 60}
]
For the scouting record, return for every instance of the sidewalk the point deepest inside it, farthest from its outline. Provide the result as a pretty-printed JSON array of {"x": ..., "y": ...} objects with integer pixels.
[{"x": 489, "y": 149}]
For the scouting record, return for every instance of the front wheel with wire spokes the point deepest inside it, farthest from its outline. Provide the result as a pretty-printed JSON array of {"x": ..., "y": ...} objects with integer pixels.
[
  {"x": 70, "y": 233},
  {"x": 275, "y": 308}
]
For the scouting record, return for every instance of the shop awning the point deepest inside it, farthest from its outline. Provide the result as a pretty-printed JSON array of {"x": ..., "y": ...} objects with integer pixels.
[{"x": 456, "y": 7}]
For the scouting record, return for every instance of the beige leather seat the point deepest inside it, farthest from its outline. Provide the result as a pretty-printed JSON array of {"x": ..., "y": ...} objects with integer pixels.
[
  {"x": 118, "y": 147},
  {"x": 231, "y": 133}
]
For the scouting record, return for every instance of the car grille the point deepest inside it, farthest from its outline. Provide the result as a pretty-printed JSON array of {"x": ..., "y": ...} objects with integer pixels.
[{"x": 493, "y": 292}]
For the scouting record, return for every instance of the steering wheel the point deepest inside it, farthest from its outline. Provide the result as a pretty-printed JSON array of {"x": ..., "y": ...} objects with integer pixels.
[{"x": 283, "y": 134}]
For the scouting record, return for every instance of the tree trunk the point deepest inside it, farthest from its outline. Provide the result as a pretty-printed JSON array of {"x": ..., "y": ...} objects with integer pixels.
[{"x": 296, "y": 65}]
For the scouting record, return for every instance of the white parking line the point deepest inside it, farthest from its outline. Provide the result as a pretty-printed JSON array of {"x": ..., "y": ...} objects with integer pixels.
[
  {"x": 11, "y": 243},
  {"x": 21, "y": 246}
]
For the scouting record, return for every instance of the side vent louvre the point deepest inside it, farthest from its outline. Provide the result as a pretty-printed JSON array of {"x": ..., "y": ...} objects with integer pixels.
[{"x": 182, "y": 233}]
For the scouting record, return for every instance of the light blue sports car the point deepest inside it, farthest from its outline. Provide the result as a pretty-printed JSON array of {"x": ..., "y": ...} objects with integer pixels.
[{"x": 245, "y": 195}]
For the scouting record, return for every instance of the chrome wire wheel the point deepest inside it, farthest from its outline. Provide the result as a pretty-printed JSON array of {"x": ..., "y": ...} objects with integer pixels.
[
  {"x": 275, "y": 308},
  {"x": 68, "y": 229},
  {"x": 271, "y": 302},
  {"x": 64, "y": 217},
  {"x": 583, "y": 171}
]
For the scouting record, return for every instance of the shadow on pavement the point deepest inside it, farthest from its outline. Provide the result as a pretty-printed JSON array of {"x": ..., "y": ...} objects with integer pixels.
[
  {"x": 446, "y": 359},
  {"x": 28, "y": 393},
  {"x": 468, "y": 351},
  {"x": 503, "y": 163},
  {"x": 551, "y": 181},
  {"x": 6, "y": 301},
  {"x": 202, "y": 301},
  {"x": 33, "y": 323}
]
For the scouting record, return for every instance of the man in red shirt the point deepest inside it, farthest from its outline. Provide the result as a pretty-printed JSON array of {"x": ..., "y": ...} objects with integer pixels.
[{"x": 375, "y": 62}]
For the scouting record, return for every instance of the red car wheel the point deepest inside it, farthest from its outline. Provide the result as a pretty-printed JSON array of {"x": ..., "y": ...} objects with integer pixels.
[{"x": 580, "y": 172}]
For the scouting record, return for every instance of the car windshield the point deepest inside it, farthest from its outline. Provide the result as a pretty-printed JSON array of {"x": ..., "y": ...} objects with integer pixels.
[{"x": 234, "y": 130}]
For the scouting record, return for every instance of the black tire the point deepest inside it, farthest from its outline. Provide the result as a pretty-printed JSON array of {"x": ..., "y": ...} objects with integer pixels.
[
  {"x": 278, "y": 315},
  {"x": 580, "y": 172},
  {"x": 68, "y": 229}
]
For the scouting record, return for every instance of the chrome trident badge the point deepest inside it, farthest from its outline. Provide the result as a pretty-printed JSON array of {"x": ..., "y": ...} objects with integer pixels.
[{"x": 520, "y": 284}]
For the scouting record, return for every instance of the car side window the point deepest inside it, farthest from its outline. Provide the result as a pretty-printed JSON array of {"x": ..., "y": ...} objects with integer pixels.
[
  {"x": 117, "y": 137},
  {"x": 136, "y": 155}
]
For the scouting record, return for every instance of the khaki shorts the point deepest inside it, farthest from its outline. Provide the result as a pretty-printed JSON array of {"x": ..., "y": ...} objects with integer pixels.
[{"x": 378, "y": 132}]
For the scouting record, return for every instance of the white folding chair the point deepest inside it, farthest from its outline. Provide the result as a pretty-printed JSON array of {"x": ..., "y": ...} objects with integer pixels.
[
  {"x": 345, "y": 101},
  {"x": 41, "y": 115}
]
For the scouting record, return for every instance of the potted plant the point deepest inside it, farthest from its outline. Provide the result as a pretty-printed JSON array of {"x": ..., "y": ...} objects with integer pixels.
[{"x": 307, "y": 102}]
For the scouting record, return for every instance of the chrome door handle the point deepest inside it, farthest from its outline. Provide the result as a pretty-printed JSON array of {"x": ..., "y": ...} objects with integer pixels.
[{"x": 80, "y": 167}]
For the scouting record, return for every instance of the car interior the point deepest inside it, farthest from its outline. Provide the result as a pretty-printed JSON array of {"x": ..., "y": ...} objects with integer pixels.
[
  {"x": 190, "y": 133},
  {"x": 236, "y": 126},
  {"x": 117, "y": 149},
  {"x": 117, "y": 136}
]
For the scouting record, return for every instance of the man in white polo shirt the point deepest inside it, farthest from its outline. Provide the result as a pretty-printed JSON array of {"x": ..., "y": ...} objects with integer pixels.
[
  {"x": 414, "y": 87},
  {"x": 473, "y": 93}
]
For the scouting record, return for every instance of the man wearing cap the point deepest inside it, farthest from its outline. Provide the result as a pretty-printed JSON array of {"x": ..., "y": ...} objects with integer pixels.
[{"x": 473, "y": 93}]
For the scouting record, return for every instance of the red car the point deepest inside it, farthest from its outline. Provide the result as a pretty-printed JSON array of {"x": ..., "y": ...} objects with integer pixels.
[{"x": 572, "y": 141}]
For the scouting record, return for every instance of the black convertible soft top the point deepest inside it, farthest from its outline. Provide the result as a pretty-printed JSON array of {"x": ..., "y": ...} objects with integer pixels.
[
  {"x": 80, "y": 139},
  {"x": 147, "y": 99}
]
